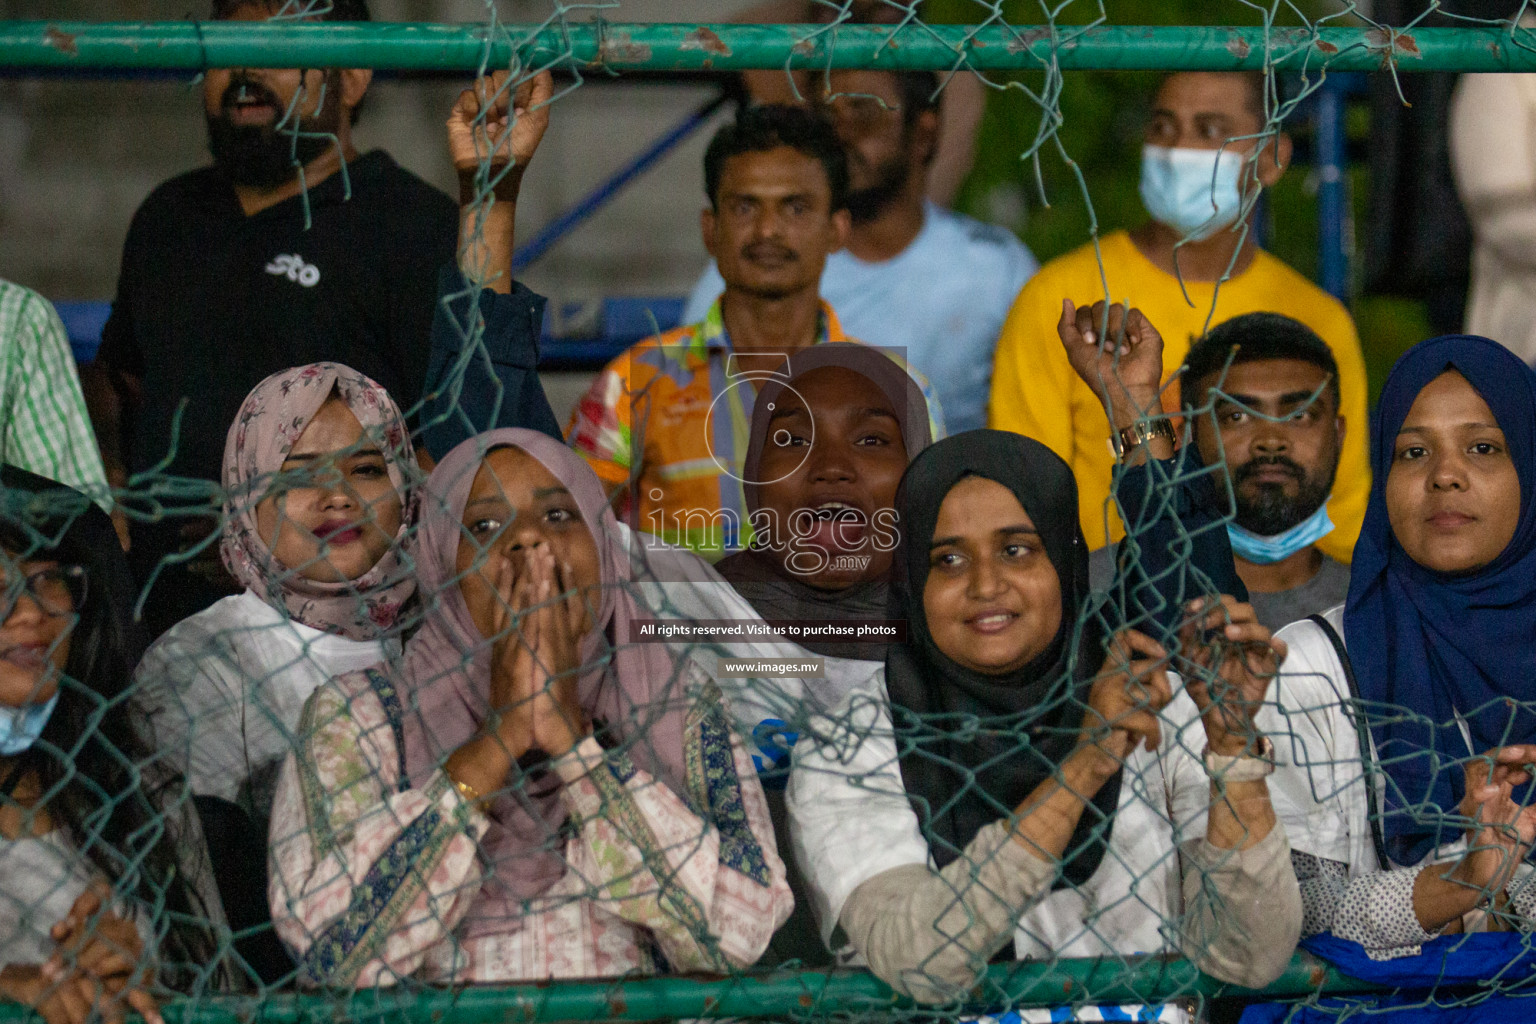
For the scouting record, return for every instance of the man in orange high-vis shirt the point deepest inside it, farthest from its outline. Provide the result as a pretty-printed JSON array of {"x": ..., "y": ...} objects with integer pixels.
[{"x": 1195, "y": 179}]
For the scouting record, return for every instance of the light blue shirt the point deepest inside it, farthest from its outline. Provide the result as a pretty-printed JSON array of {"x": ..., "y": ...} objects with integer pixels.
[{"x": 943, "y": 299}]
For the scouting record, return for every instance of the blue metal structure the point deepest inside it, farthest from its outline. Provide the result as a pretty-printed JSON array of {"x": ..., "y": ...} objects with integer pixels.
[
  {"x": 599, "y": 197},
  {"x": 1330, "y": 160}
]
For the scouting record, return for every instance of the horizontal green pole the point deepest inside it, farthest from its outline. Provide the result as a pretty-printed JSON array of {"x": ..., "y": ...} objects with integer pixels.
[
  {"x": 780, "y": 995},
  {"x": 104, "y": 46}
]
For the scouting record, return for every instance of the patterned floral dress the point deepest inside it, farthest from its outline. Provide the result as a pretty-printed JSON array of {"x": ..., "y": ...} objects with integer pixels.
[{"x": 373, "y": 878}]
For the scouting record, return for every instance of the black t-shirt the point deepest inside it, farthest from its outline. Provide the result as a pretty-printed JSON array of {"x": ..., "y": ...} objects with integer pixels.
[{"x": 210, "y": 301}]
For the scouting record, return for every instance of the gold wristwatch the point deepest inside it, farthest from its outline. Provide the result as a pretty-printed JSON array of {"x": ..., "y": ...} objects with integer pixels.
[{"x": 1139, "y": 433}]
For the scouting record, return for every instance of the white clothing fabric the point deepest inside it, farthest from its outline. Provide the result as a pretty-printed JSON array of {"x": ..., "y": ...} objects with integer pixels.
[
  {"x": 1322, "y": 771},
  {"x": 942, "y": 299},
  {"x": 851, "y": 820},
  {"x": 1493, "y": 155},
  {"x": 224, "y": 689},
  {"x": 772, "y": 713},
  {"x": 40, "y": 879},
  {"x": 767, "y": 711},
  {"x": 1319, "y": 769}
]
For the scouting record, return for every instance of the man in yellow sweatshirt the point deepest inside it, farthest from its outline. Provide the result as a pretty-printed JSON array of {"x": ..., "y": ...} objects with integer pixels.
[{"x": 1201, "y": 171}]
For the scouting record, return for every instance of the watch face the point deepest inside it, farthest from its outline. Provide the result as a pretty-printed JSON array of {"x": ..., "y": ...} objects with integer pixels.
[{"x": 1140, "y": 433}]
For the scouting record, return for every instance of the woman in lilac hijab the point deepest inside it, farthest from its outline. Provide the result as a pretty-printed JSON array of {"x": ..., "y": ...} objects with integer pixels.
[{"x": 533, "y": 794}]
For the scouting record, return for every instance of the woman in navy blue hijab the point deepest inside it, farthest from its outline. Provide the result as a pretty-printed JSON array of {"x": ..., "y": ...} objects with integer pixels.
[
  {"x": 1441, "y": 616},
  {"x": 1440, "y": 629}
]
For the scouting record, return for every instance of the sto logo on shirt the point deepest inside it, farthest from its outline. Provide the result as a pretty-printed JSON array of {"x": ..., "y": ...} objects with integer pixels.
[{"x": 293, "y": 267}]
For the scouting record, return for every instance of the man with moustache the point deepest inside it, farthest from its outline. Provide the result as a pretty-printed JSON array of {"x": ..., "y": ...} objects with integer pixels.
[
  {"x": 1209, "y": 152},
  {"x": 1272, "y": 417},
  {"x": 287, "y": 250},
  {"x": 913, "y": 276},
  {"x": 665, "y": 425}
]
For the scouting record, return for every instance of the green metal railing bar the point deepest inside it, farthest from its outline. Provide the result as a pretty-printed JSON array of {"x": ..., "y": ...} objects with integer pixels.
[
  {"x": 38, "y": 45},
  {"x": 781, "y": 995}
]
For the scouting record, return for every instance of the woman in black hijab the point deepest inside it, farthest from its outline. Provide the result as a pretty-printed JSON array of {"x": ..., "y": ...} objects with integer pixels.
[
  {"x": 830, "y": 440},
  {"x": 1023, "y": 774}
]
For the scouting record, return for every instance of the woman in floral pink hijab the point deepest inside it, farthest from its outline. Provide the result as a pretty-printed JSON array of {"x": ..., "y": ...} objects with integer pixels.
[
  {"x": 320, "y": 588},
  {"x": 318, "y": 481}
]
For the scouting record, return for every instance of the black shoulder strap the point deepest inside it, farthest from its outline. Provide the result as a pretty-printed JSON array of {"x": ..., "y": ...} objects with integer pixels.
[{"x": 1373, "y": 808}]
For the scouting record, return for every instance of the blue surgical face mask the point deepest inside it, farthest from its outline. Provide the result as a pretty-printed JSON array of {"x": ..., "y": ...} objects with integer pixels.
[
  {"x": 1176, "y": 188},
  {"x": 1263, "y": 550},
  {"x": 20, "y": 727}
]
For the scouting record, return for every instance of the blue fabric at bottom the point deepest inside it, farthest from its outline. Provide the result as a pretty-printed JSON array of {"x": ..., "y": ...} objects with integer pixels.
[{"x": 1503, "y": 961}]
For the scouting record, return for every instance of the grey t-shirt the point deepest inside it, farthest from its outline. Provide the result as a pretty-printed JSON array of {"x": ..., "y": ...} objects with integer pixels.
[{"x": 1329, "y": 587}]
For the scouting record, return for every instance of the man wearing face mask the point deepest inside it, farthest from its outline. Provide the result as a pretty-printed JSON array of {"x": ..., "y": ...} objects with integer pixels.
[
  {"x": 1202, "y": 171},
  {"x": 287, "y": 250},
  {"x": 1263, "y": 394}
]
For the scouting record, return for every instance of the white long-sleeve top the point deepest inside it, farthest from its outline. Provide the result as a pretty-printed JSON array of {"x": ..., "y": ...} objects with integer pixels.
[
  {"x": 224, "y": 689},
  {"x": 851, "y": 823},
  {"x": 1346, "y": 888}
]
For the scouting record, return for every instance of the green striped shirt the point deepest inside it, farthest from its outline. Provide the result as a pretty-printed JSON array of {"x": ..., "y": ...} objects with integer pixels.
[{"x": 43, "y": 424}]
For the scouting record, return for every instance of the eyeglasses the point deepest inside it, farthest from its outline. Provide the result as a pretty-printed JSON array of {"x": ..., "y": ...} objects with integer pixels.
[
  {"x": 59, "y": 590},
  {"x": 861, "y": 112}
]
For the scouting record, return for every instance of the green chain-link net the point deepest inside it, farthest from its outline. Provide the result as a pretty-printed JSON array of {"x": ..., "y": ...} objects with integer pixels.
[{"x": 379, "y": 885}]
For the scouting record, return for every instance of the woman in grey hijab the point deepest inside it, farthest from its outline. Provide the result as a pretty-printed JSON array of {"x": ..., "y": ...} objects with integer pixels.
[{"x": 830, "y": 440}]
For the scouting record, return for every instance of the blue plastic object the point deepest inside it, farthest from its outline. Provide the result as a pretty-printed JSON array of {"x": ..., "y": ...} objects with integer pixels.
[{"x": 83, "y": 322}]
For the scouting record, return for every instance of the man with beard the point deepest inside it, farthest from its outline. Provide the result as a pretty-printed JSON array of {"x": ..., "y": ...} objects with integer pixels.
[
  {"x": 1210, "y": 149},
  {"x": 291, "y": 248},
  {"x": 1272, "y": 418},
  {"x": 913, "y": 276},
  {"x": 666, "y": 424}
]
